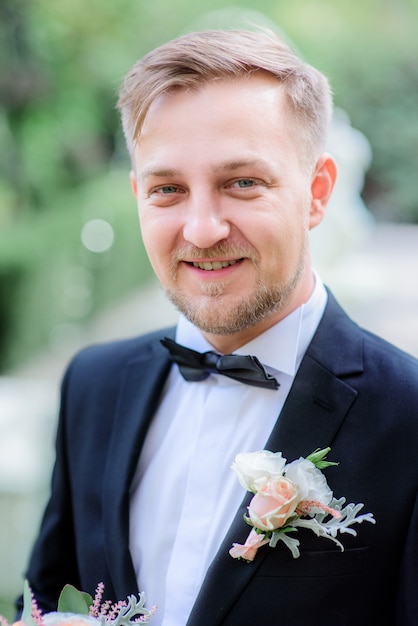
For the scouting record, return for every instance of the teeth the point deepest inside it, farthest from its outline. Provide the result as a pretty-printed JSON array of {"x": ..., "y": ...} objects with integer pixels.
[{"x": 216, "y": 265}]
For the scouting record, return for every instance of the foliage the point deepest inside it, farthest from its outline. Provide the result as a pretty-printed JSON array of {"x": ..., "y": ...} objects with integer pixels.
[
  {"x": 50, "y": 283},
  {"x": 387, "y": 115},
  {"x": 7, "y": 608},
  {"x": 369, "y": 52}
]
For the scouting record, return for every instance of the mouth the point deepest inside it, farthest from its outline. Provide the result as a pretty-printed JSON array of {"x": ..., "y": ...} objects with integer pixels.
[{"x": 214, "y": 265}]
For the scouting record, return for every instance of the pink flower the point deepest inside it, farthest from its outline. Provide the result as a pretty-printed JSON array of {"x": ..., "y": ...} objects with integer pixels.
[
  {"x": 274, "y": 504},
  {"x": 250, "y": 547}
]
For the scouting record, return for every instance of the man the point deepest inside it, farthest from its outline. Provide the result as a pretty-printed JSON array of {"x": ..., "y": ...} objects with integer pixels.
[{"x": 226, "y": 132}]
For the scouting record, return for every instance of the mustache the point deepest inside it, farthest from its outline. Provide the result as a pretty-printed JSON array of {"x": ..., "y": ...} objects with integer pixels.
[{"x": 220, "y": 250}]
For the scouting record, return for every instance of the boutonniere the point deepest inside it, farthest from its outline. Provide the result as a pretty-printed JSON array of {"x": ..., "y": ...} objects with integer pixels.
[{"x": 289, "y": 496}]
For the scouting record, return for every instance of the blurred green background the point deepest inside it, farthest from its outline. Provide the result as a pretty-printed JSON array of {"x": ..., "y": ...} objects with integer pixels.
[
  {"x": 69, "y": 242},
  {"x": 69, "y": 239}
]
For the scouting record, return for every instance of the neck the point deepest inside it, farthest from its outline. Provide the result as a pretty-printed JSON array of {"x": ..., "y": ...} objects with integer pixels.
[{"x": 228, "y": 343}]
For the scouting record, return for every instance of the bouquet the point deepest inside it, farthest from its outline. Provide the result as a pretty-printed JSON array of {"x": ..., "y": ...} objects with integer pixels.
[{"x": 76, "y": 608}]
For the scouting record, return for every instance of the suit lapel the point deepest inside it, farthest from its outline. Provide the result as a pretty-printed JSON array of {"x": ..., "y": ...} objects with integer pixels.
[
  {"x": 138, "y": 397},
  {"x": 313, "y": 412},
  {"x": 311, "y": 417},
  {"x": 321, "y": 395}
]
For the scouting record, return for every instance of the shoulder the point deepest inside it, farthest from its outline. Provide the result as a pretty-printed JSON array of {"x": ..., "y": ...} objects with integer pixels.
[
  {"x": 387, "y": 352},
  {"x": 346, "y": 348},
  {"x": 395, "y": 370},
  {"x": 107, "y": 360},
  {"x": 99, "y": 376}
]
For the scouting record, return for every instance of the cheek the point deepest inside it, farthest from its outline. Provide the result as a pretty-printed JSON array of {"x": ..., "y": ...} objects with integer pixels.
[
  {"x": 278, "y": 226},
  {"x": 155, "y": 243},
  {"x": 280, "y": 245},
  {"x": 157, "y": 233}
]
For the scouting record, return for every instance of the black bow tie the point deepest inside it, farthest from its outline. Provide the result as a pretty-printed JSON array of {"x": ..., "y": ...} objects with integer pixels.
[{"x": 195, "y": 366}]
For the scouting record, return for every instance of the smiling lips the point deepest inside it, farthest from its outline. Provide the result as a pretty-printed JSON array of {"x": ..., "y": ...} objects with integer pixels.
[{"x": 213, "y": 265}]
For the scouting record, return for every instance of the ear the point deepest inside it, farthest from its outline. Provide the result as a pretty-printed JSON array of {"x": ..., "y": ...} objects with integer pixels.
[
  {"x": 322, "y": 185},
  {"x": 134, "y": 184}
]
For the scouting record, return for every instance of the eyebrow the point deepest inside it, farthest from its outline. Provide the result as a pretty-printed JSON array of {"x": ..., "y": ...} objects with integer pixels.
[
  {"x": 158, "y": 172},
  {"x": 230, "y": 166},
  {"x": 227, "y": 166}
]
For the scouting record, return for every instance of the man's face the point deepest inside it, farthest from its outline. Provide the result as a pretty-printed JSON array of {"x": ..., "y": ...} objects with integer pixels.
[{"x": 225, "y": 205}]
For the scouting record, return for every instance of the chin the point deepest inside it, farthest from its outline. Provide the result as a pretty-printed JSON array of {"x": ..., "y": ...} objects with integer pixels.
[{"x": 227, "y": 315}]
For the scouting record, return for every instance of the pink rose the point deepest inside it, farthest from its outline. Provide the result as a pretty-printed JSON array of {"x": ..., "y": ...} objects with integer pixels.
[
  {"x": 274, "y": 504},
  {"x": 248, "y": 550}
]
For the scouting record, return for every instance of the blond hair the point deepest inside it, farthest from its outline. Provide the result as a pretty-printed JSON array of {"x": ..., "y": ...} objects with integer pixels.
[{"x": 198, "y": 58}]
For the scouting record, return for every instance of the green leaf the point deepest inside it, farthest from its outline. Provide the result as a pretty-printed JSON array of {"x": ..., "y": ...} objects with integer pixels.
[
  {"x": 73, "y": 601},
  {"x": 27, "y": 606},
  {"x": 88, "y": 599},
  {"x": 287, "y": 529},
  {"x": 318, "y": 458}
]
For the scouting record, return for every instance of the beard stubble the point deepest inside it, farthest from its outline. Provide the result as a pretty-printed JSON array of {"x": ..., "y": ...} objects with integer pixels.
[{"x": 213, "y": 314}]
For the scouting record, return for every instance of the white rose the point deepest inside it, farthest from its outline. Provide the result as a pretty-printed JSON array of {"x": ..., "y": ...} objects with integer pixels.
[
  {"x": 255, "y": 469},
  {"x": 310, "y": 480}
]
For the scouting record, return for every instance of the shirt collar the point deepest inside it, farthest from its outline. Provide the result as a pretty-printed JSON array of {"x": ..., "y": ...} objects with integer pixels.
[{"x": 290, "y": 337}]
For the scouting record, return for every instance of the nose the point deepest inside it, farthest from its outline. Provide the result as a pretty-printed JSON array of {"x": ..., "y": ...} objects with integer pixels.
[{"x": 205, "y": 223}]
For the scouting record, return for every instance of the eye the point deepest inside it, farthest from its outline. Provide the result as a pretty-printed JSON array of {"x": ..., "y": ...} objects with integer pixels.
[
  {"x": 167, "y": 190},
  {"x": 244, "y": 183},
  {"x": 165, "y": 195}
]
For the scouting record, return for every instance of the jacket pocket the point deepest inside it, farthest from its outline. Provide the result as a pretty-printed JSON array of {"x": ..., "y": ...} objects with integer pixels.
[{"x": 323, "y": 563}]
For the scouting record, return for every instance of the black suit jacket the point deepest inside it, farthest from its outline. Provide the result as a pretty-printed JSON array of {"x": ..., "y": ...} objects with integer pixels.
[{"x": 353, "y": 392}]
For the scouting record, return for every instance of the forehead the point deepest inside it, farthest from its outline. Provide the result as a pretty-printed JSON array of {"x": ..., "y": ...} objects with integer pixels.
[
  {"x": 237, "y": 116},
  {"x": 245, "y": 95}
]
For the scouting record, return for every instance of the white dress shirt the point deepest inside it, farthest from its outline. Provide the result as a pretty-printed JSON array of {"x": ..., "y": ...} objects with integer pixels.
[{"x": 184, "y": 495}]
